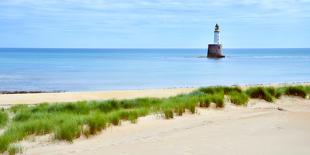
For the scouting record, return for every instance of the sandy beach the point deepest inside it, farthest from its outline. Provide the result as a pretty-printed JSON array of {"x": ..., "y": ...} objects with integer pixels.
[
  {"x": 35, "y": 98},
  {"x": 259, "y": 128}
]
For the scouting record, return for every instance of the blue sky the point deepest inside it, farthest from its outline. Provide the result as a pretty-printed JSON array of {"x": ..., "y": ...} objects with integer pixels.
[{"x": 154, "y": 23}]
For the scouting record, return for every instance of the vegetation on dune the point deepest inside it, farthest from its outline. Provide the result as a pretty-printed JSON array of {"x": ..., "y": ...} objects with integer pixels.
[
  {"x": 68, "y": 130},
  {"x": 261, "y": 93},
  {"x": 307, "y": 88},
  {"x": 300, "y": 91},
  {"x": 12, "y": 150},
  {"x": 68, "y": 121},
  {"x": 270, "y": 93},
  {"x": 238, "y": 98},
  {"x": 3, "y": 118},
  {"x": 223, "y": 89}
]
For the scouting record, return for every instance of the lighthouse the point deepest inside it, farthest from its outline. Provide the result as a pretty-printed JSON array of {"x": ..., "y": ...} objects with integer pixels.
[
  {"x": 215, "y": 49},
  {"x": 217, "y": 34}
]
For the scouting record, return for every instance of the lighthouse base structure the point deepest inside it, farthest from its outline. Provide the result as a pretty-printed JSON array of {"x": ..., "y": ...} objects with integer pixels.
[{"x": 215, "y": 51}]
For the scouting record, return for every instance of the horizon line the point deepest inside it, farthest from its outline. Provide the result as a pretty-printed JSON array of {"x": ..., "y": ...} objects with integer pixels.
[{"x": 137, "y": 48}]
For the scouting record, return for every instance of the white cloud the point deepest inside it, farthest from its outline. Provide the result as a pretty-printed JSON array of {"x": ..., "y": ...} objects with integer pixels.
[{"x": 114, "y": 14}]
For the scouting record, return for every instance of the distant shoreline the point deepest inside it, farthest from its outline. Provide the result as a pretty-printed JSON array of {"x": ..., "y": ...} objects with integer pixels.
[
  {"x": 29, "y": 92},
  {"x": 63, "y": 91}
]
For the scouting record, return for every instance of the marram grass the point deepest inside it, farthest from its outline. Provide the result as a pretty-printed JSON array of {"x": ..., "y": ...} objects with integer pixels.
[
  {"x": 68, "y": 121},
  {"x": 3, "y": 118},
  {"x": 238, "y": 98}
]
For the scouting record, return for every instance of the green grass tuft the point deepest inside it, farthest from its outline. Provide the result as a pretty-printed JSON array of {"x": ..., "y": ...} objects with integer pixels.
[
  {"x": 4, "y": 117},
  {"x": 238, "y": 98},
  {"x": 96, "y": 122},
  {"x": 18, "y": 107},
  {"x": 5, "y": 141},
  {"x": 296, "y": 91},
  {"x": 220, "y": 89},
  {"x": 218, "y": 99},
  {"x": 204, "y": 100},
  {"x": 168, "y": 113},
  {"x": 13, "y": 150},
  {"x": 68, "y": 130},
  {"x": 115, "y": 118},
  {"x": 307, "y": 89},
  {"x": 260, "y": 92}
]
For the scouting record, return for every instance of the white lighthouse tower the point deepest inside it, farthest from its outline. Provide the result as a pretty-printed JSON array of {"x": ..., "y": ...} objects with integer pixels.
[
  {"x": 215, "y": 49},
  {"x": 217, "y": 34}
]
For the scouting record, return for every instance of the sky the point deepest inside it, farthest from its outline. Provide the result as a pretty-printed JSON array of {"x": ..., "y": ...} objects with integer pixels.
[{"x": 154, "y": 23}]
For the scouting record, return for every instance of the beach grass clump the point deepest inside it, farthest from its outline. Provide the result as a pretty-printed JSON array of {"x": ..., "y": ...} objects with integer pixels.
[
  {"x": 176, "y": 105},
  {"x": 168, "y": 113},
  {"x": 96, "y": 122},
  {"x": 114, "y": 118},
  {"x": 211, "y": 90},
  {"x": 68, "y": 130},
  {"x": 261, "y": 93},
  {"x": 307, "y": 88},
  {"x": 20, "y": 130},
  {"x": 5, "y": 142},
  {"x": 107, "y": 106},
  {"x": 219, "y": 89},
  {"x": 14, "y": 149},
  {"x": 80, "y": 107},
  {"x": 227, "y": 90},
  {"x": 296, "y": 91},
  {"x": 180, "y": 109},
  {"x": 25, "y": 115},
  {"x": 191, "y": 103},
  {"x": 271, "y": 90},
  {"x": 204, "y": 101},
  {"x": 238, "y": 98},
  {"x": 22, "y": 116},
  {"x": 275, "y": 92},
  {"x": 4, "y": 117},
  {"x": 168, "y": 107},
  {"x": 218, "y": 99},
  {"x": 214, "y": 95},
  {"x": 279, "y": 92},
  {"x": 18, "y": 107},
  {"x": 133, "y": 116}
]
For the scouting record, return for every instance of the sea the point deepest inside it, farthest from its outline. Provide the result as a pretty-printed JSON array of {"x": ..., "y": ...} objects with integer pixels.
[{"x": 29, "y": 69}]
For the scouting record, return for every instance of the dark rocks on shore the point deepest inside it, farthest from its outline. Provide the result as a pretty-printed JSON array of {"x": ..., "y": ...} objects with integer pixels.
[{"x": 28, "y": 92}]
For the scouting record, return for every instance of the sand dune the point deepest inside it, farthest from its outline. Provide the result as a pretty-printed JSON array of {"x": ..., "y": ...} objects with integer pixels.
[{"x": 260, "y": 128}]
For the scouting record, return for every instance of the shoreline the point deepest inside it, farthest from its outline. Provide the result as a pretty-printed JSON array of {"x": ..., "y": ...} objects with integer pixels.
[{"x": 7, "y": 100}]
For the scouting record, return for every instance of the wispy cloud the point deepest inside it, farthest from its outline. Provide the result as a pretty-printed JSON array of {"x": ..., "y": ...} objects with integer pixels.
[{"x": 130, "y": 16}]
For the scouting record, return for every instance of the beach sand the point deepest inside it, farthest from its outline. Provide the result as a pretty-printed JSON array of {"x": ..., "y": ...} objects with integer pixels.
[
  {"x": 35, "y": 98},
  {"x": 261, "y": 128},
  {"x": 11, "y": 99}
]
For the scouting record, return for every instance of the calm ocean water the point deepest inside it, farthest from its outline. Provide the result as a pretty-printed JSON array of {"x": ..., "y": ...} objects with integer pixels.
[{"x": 113, "y": 69}]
